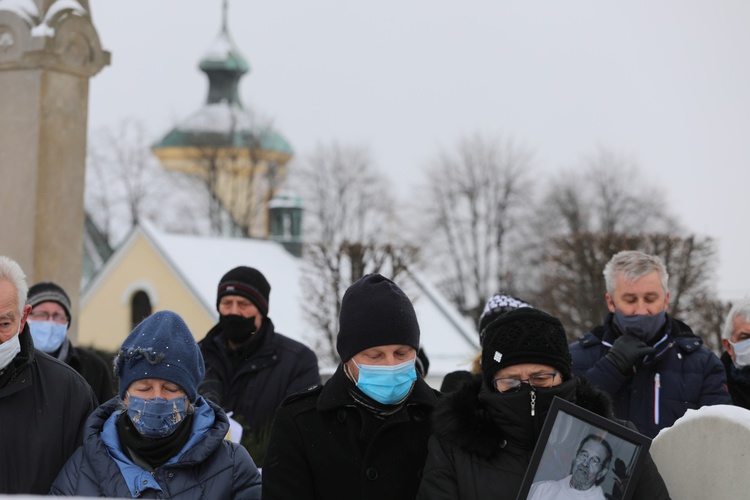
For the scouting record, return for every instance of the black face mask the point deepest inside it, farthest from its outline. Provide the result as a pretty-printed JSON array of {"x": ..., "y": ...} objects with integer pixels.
[{"x": 237, "y": 329}]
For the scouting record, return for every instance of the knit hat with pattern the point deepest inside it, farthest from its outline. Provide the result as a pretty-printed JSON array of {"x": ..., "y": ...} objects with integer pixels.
[
  {"x": 525, "y": 335},
  {"x": 246, "y": 282}
]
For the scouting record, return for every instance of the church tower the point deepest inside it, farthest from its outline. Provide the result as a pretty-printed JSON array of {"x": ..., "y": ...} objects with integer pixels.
[{"x": 241, "y": 160}]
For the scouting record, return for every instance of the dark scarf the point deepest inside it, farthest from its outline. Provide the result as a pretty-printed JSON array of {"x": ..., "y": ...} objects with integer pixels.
[
  {"x": 151, "y": 453},
  {"x": 482, "y": 424}
]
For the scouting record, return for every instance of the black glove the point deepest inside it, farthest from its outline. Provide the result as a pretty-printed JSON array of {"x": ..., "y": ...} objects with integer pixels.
[{"x": 627, "y": 351}]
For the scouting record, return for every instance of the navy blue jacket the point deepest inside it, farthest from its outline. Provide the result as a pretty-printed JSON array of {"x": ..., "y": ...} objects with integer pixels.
[
  {"x": 208, "y": 466},
  {"x": 682, "y": 374}
]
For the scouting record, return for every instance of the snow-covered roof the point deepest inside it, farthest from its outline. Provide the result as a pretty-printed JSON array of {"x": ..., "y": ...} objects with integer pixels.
[{"x": 448, "y": 339}]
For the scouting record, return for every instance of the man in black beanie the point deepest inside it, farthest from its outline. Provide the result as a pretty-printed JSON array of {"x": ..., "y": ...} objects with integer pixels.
[
  {"x": 49, "y": 322},
  {"x": 364, "y": 434},
  {"x": 251, "y": 368}
]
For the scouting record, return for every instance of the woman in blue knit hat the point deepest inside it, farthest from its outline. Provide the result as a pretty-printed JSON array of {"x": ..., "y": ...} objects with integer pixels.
[{"x": 158, "y": 438}]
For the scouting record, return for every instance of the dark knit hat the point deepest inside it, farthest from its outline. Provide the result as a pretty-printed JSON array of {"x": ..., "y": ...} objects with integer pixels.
[
  {"x": 525, "y": 335},
  {"x": 246, "y": 282},
  {"x": 47, "y": 291},
  {"x": 375, "y": 312},
  {"x": 497, "y": 305},
  {"x": 162, "y": 347}
]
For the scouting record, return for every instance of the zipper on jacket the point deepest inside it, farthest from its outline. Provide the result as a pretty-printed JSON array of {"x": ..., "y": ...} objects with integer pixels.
[
  {"x": 657, "y": 390},
  {"x": 533, "y": 401}
]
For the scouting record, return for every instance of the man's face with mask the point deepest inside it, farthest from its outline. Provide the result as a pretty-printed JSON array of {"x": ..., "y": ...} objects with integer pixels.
[
  {"x": 234, "y": 307},
  {"x": 11, "y": 322},
  {"x": 740, "y": 333},
  {"x": 642, "y": 296}
]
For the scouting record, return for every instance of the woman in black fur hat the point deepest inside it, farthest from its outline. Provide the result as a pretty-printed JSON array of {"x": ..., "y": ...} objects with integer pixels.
[{"x": 484, "y": 433}]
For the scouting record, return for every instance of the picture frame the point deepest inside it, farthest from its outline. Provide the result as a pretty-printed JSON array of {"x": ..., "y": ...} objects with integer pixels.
[{"x": 566, "y": 453}]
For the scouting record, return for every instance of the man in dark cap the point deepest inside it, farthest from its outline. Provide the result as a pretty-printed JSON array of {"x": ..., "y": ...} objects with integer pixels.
[
  {"x": 364, "y": 434},
  {"x": 49, "y": 322},
  {"x": 251, "y": 368}
]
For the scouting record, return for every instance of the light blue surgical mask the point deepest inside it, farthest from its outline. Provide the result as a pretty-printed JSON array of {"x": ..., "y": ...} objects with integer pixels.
[
  {"x": 741, "y": 353},
  {"x": 48, "y": 335},
  {"x": 387, "y": 384},
  {"x": 157, "y": 417},
  {"x": 8, "y": 350},
  {"x": 643, "y": 326}
]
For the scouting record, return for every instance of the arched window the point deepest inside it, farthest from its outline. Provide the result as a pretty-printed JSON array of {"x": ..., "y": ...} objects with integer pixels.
[{"x": 140, "y": 308}]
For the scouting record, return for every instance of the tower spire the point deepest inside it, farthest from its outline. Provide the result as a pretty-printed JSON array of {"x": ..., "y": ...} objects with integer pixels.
[{"x": 224, "y": 16}]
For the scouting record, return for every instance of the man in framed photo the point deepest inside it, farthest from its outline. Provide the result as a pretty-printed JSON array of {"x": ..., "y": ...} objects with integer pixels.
[{"x": 587, "y": 471}]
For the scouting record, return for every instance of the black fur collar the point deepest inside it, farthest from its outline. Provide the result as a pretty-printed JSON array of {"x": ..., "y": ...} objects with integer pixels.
[{"x": 461, "y": 420}]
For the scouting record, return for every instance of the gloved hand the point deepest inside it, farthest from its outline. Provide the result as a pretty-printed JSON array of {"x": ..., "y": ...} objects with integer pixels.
[{"x": 627, "y": 351}]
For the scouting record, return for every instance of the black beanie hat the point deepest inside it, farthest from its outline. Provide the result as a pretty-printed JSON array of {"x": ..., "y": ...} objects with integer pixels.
[
  {"x": 525, "y": 335},
  {"x": 161, "y": 347},
  {"x": 47, "y": 291},
  {"x": 375, "y": 312},
  {"x": 246, "y": 282}
]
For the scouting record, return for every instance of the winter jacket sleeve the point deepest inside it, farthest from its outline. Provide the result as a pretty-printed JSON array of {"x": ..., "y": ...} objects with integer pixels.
[
  {"x": 245, "y": 475},
  {"x": 306, "y": 373},
  {"x": 67, "y": 480},
  {"x": 714, "y": 389},
  {"x": 439, "y": 476},
  {"x": 286, "y": 473}
]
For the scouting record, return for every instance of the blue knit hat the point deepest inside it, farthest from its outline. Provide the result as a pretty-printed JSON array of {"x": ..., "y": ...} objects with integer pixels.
[
  {"x": 161, "y": 347},
  {"x": 375, "y": 312}
]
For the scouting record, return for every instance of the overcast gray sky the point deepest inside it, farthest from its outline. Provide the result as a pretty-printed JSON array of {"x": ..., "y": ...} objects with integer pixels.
[{"x": 665, "y": 83}]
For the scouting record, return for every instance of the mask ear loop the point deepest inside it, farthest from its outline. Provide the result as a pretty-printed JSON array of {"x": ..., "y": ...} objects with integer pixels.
[{"x": 190, "y": 409}]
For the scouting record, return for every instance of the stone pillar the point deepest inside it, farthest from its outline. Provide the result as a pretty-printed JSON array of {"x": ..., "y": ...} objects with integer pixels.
[{"x": 48, "y": 51}]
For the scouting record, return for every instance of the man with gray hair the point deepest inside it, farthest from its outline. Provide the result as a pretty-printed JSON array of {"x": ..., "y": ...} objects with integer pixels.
[
  {"x": 44, "y": 403},
  {"x": 653, "y": 366},
  {"x": 736, "y": 355}
]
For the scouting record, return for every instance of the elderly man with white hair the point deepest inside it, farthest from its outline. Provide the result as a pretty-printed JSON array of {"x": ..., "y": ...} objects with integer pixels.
[{"x": 43, "y": 403}]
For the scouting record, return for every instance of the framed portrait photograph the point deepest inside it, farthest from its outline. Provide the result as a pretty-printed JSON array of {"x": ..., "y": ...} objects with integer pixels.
[{"x": 579, "y": 451}]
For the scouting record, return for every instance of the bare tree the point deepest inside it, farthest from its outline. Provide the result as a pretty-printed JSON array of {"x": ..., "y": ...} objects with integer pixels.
[
  {"x": 588, "y": 215},
  {"x": 124, "y": 185},
  {"x": 473, "y": 199},
  {"x": 350, "y": 223}
]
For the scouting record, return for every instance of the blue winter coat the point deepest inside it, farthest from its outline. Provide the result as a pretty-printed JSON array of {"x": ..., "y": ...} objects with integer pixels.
[
  {"x": 207, "y": 467},
  {"x": 682, "y": 374}
]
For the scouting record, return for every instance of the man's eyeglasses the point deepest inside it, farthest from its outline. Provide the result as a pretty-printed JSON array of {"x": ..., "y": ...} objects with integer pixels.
[
  {"x": 45, "y": 316},
  {"x": 510, "y": 385}
]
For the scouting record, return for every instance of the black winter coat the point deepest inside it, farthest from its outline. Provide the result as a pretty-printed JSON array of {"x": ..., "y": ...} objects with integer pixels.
[
  {"x": 682, "y": 375},
  {"x": 44, "y": 404},
  {"x": 213, "y": 468},
  {"x": 481, "y": 449},
  {"x": 252, "y": 391},
  {"x": 325, "y": 446},
  {"x": 738, "y": 382}
]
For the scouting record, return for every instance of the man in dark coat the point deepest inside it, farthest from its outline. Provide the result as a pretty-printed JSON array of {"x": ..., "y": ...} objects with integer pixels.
[
  {"x": 49, "y": 322},
  {"x": 250, "y": 368},
  {"x": 364, "y": 434},
  {"x": 43, "y": 403},
  {"x": 485, "y": 432},
  {"x": 653, "y": 366},
  {"x": 736, "y": 355}
]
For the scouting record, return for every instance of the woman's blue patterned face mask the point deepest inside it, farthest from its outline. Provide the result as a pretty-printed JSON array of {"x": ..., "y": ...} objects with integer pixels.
[{"x": 157, "y": 417}]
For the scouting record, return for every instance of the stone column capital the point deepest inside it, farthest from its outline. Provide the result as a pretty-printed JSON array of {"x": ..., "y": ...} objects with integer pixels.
[{"x": 56, "y": 35}]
